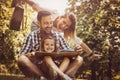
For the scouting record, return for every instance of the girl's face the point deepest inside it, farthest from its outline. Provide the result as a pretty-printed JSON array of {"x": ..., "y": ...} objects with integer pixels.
[
  {"x": 49, "y": 45},
  {"x": 63, "y": 23}
]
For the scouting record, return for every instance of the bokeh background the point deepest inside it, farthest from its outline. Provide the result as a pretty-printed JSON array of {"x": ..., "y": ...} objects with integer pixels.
[{"x": 98, "y": 25}]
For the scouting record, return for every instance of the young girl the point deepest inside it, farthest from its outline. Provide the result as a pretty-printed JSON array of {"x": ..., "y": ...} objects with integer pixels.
[{"x": 49, "y": 44}]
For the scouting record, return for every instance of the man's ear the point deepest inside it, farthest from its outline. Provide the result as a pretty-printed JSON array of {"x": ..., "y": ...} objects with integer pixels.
[{"x": 38, "y": 23}]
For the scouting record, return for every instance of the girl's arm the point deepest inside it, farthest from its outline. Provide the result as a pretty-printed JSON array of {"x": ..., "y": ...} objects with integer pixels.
[{"x": 64, "y": 65}]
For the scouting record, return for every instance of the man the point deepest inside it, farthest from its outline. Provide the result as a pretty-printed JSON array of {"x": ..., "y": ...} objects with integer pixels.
[{"x": 27, "y": 60}]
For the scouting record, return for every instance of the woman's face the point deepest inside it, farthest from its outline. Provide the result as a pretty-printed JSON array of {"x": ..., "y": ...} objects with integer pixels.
[
  {"x": 49, "y": 45},
  {"x": 63, "y": 23}
]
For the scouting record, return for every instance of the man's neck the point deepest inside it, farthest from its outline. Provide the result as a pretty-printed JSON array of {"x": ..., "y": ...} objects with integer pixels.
[{"x": 43, "y": 33}]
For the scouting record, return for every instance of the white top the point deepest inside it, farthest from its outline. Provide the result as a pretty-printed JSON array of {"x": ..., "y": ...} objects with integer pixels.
[{"x": 78, "y": 41}]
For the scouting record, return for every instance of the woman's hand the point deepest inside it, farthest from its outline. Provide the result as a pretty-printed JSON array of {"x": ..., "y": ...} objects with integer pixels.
[{"x": 78, "y": 49}]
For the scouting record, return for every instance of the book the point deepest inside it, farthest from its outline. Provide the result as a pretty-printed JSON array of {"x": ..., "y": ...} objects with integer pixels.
[{"x": 57, "y": 54}]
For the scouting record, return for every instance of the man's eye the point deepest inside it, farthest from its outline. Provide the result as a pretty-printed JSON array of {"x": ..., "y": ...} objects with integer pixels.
[
  {"x": 46, "y": 44},
  {"x": 64, "y": 22},
  {"x": 45, "y": 22}
]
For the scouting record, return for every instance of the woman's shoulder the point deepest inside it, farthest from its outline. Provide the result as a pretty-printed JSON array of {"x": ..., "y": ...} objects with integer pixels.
[{"x": 78, "y": 40}]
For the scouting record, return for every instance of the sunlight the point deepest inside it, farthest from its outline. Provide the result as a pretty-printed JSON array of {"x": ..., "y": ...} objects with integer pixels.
[{"x": 58, "y": 5}]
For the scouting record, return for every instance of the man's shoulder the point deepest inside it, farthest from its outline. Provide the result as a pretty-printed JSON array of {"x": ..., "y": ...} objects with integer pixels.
[{"x": 35, "y": 32}]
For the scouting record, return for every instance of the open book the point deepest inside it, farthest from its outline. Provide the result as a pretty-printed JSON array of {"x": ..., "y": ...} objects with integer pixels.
[{"x": 57, "y": 54}]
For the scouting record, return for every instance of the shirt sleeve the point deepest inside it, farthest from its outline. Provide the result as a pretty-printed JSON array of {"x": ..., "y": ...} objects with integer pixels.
[
  {"x": 34, "y": 26},
  {"x": 27, "y": 45},
  {"x": 78, "y": 40},
  {"x": 63, "y": 43}
]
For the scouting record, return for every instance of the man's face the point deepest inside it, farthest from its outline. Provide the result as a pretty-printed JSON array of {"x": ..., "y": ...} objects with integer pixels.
[
  {"x": 49, "y": 45},
  {"x": 46, "y": 23},
  {"x": 63, "y": 23}
]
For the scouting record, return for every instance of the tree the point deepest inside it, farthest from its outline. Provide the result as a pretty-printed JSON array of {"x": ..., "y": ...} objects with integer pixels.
[
  {"x": 98, "y": 24},
  {"x": 11, "y": 40}
]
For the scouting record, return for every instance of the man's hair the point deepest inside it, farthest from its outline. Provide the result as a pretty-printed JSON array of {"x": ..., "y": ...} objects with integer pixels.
[{"x": 42, "y": 14}]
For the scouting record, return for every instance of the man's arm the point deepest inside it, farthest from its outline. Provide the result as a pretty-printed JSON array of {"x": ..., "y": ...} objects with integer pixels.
[
  {"x": 62, "y": 43},
  {"x": 27, "y": 45},
  {"x": 34, "y": 5},
  {"x": 37, "y": 7}
]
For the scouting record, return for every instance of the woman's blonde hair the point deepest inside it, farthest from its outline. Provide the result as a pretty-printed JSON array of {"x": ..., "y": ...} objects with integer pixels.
[{"x": 69, "y": 33}]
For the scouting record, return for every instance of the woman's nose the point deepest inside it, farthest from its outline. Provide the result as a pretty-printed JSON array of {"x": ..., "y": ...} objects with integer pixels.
[
  {"x": 49, "y": 25},
  {"x": 63, "y": 25}
]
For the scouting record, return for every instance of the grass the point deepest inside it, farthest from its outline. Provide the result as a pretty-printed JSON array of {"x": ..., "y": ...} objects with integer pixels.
[{"x": 7, "y": 76}]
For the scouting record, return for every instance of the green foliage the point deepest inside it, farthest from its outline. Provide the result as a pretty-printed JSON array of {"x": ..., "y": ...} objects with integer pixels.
[
  {"x": 11, "y": 40},
  {"x": 98, "y": 24}
]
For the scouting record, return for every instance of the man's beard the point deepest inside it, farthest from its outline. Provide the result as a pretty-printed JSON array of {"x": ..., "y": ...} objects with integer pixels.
[{"x": 46, "y": 30}]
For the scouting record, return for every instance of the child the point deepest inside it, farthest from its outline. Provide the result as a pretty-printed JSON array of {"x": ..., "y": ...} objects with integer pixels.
[{"x": 48, "y": 44}]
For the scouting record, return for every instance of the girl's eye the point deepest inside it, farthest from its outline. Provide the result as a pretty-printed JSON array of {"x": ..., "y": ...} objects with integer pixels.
[
  {"x": 64, "y": 22},
  {"x": 52, "y": 44},
  {"x": 46, "y": 44}
]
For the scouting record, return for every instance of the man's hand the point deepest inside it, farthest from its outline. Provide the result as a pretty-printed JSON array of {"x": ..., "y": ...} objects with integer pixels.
[
  {"x": 30, "y": 54},
  {"x": 95, "y": 57},
  {"x": 78, "y": 49}
]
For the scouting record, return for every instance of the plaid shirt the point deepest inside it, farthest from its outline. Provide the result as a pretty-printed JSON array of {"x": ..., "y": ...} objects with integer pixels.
[{"x": 32, "y": 42}]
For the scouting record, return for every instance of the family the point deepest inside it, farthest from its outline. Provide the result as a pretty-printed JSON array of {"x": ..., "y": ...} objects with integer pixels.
[{"x": 49, "y": 35}]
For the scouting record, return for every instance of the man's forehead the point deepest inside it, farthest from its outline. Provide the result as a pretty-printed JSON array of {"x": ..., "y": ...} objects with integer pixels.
[{"x": 47, "y": 17}]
